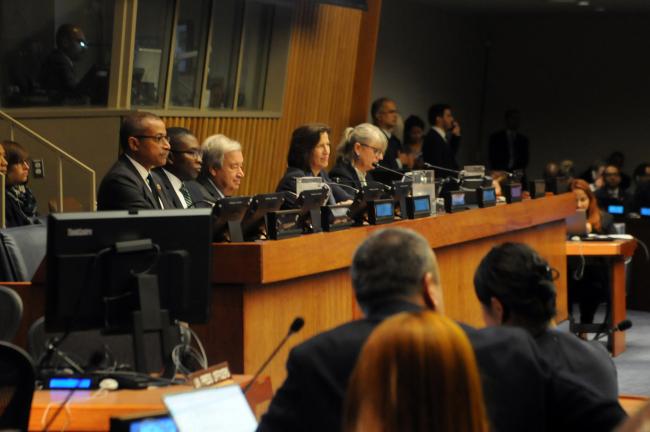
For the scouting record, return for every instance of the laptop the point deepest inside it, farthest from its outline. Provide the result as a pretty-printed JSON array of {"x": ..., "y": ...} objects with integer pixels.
[
  {"x": 576, "y": 224},
  {"x": 214, "y": 409}
]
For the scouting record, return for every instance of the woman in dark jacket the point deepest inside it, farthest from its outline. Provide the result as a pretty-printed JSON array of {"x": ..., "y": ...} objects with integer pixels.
[
  {"x": 309, "y": 153},
  {"x": 20, "y": 204}
]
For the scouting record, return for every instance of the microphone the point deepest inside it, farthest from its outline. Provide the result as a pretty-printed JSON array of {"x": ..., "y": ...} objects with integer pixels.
[
  {"x": 624, "y": 325},
  {"x": 436, "y": 167},
  {"x": 390, "y": 170},
  {"x": 337, "y": 181},
  {"x": 295, "y": 327}
]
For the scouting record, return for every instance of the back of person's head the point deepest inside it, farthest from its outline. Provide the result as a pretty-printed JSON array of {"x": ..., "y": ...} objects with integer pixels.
[
  {"x": 416, "y": 372},
  {"x": 365, "y": 134},
  {"x": 303, "y": 141},
  {"x": 15, "y": 153},
  {"x": 411, "y": 122},
  {"x": 214, "y": 148},
  {"x": 617, "y": 158},
  {"x": 437, "y": 110},
  {"x": 522, "y": 281},
  {"x": 64, "y": 33},
  {"x": 133, "y": 125},
  {"x": 593, "y": 212},
  {"x": 390, "y": 265},
  {"x": 376, "y": 106}
]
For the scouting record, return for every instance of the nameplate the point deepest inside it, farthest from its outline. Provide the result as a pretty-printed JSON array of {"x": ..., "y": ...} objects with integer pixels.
[{"x": 210, "y": 376}]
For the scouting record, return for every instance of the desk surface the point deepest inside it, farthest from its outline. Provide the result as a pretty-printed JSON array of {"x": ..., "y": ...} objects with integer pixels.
[
  {"x": 601, "y": 248},
  {"x": 92, "y": 410}
]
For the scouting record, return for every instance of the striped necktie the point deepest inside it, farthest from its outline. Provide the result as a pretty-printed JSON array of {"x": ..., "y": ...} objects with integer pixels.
[{"x": 186, "y": 195}]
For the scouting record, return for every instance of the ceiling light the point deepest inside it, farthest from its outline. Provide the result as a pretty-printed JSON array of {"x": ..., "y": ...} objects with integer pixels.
[{"x": 583, "y": 3}]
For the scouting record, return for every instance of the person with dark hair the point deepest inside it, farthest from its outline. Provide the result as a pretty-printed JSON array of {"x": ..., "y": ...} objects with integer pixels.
[
  {"x": 414, "y": 131},
  {"x": 20, "y": 203},
  {"x": 58, "y": 75},
  {"x": 594, "y": 174},
  {"x": 131, "y": 183},
  {"x": 612, "y": 191},
  {"x": 394, "y": 270},
  {"x": 508, "y": 149},
  {"x": 384, "y": 115},
  {"x": 641, "y": 197},
  {"x": 183, "y": 165},
  {"x": 617, "y": 158},
  {"x": 309, "y": 153},
  {"x": 515, "y": 287},
  {"x": 441, "y": 143}
]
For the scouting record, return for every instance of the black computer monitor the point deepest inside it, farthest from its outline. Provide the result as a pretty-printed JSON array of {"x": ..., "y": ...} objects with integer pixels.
[
  {"x": 359, "y": 208},
  {"x": 228, "y": 214},
  {"x": 128, "y": 272},
  {"x": 254, "y": 224}
]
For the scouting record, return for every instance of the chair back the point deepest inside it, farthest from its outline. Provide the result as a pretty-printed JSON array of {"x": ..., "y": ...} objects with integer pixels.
[
  {"x": 22, "y": 250},
  {"x": 11, "y": 312},
  {"x": 17, "y": 382}
]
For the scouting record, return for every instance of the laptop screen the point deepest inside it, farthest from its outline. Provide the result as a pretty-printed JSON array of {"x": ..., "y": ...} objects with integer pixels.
[{"x": 215, "y": 409}]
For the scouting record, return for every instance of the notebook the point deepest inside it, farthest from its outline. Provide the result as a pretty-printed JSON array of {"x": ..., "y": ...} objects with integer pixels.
[
  {"x": 576, "y": 224},
  {"x": 214, "y": 409}
]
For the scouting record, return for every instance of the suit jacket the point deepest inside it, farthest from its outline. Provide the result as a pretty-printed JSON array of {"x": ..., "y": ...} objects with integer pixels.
[
  {"x": 208, "y": 186},
  {"x": 436, "y": 151},
  {"x": 499, "y": 152},
  {"x": 346, "y": 175},
  {"x": 521, "y": 391},
  {"x": 288, "y": 184},
  {"x": 168, "y": 189},
  {"x": 201, "y": 197},
  {"x": 122, "y": 188},
  {"x": 393, "y": 147}
]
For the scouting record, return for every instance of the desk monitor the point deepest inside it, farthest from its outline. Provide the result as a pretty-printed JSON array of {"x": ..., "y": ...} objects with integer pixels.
[
  {"x": 366, "y": 195},
  {"x": 486, "y": 196},
  {"x": 128, "y": 272},
  {"x": 254, "y": 225},
  {"x": 537, "y": 188},
  {"x": 310, "y": 202},
  {"x": 644, "y": 211},
  {"x": 512, "y": 192},
  {"x": 227, "y": 215},
  {"x": 419, "y": 206}
]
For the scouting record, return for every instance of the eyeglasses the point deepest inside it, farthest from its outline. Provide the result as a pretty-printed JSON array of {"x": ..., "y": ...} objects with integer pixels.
[
  {"x": 375, "y": 150},
  {"x": 196, "y": 154},
  {"x": 157, "y": 138}
]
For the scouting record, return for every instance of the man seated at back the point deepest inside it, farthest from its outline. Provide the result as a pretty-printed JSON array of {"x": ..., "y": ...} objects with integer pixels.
[
  {"x": 395, "y": 271},
  {"x": 223, "y": 167},
  {"x": 131, "y": 183},
  {"x": 183, "y": 165}
]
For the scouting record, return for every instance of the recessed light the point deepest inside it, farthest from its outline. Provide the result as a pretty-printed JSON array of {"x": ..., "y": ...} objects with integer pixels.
[{"x": 583, "y": 3}]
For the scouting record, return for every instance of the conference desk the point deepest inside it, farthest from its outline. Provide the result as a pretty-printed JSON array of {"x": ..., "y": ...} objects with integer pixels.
[
  {"x": 617, "y": 251},
  {"x": 92, "y": 410},
  {"x": 258, "y": 288}
]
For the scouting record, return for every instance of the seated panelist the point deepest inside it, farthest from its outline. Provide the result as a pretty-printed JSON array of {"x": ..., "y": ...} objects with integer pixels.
[
  {"x": 308, "y": 156},
  {"x": 223, "y": 167},
  {"x": 183, "y": 165},
  {"x": 131, "y": 183},
  {"x": 361, "y": 148}
]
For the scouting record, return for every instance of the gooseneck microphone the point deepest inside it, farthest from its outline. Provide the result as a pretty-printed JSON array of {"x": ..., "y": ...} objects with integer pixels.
[
  {"x": 390, "y": 170},
  {"x": 439, "y": 168},
  {"x": 622, "y": 326},
  {"x": 338, "y": 182},
  {"x": 295, "y": 327}
]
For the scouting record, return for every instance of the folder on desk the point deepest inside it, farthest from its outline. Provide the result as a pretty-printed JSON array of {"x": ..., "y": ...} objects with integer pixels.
[{"x": 214, "y": 409}]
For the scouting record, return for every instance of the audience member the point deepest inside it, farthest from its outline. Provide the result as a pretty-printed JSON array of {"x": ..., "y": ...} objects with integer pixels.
[
  {"x": 588, "y": 280},
  {"x": 567, "y": 169},
  {"x": 641, "y": 197},
  {"x": 414, "y": 132},
  {"x": 131, "y": 183},
  {"x": 58, "y": 76},
  {"x": 612, "y": 191},
  {"x": 440, "y": 145},
  {"x": 416, "y": 372},
  {"x": 183, "y": 165},
  {"x": 406, "y": 157},
  {"x": 308, "y": 156},
  {"x": 594, "y": 175},
  {"x": 508, "y": 149},
  {"x": 361, "y": 148},
  {"x": 515, "y": 287},
  {"x": 385, "y": 116},
  {"x": 617, "y": 159},
  {"x": 20, "y": 203},
  {"x": 499, "y": 178},
  {"x": 394, "y": 271},
  {"x": 223, "y": 167},
  {"x": 550, "y": 174}
]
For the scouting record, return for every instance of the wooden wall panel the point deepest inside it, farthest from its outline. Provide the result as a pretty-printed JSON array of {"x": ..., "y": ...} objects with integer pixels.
[{"x": 319, "y": 87}]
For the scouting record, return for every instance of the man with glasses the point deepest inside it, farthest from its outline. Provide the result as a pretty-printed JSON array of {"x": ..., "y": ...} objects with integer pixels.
[
  {"x": 183, "y": 165},
  {"x": 612, "y": 191},
  {"x": 385, "y": 116},
  {"x": 131, "y": 183}
]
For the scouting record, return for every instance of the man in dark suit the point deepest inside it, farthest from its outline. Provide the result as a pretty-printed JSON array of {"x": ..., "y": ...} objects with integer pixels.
[
  {"x": 58, "y": 71},
  {"x": 130, "y": 183},
  {"x": 183, "y": 165},
  {"x": 223, "y": 167},
  {"x": 384, "y": 115},
  {"x": 395, "y": 271},
  {"x": 440, "y": 145},
  {"x": 509, "y": 149}
]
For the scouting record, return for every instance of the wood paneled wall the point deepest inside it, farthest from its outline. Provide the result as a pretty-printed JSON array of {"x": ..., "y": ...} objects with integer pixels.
[{"x": 321, "y": 73}]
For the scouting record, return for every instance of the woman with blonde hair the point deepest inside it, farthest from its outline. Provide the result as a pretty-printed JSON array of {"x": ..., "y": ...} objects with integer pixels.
[
  {"x": 416, "y": 372},
  {"x": 361, "y": 148}
]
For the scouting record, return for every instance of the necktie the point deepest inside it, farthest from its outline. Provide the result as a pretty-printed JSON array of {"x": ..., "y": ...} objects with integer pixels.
[
  {"x": 186, "y": 195},
  {"x": 154, "y": 190}
]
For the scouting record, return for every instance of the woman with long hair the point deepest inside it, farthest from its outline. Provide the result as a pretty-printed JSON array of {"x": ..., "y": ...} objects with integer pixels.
[
  {"x": 515, "y": 287},
  {"x": 598, "y": 221},
  {"x": 417, "y": 372},
  {"x": 20, "y": 204}
]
